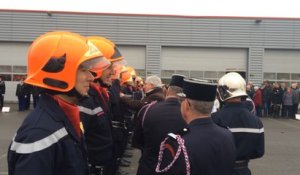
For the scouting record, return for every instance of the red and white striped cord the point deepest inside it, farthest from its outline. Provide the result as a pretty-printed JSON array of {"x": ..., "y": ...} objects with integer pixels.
[{"x": 181, "y": 147}]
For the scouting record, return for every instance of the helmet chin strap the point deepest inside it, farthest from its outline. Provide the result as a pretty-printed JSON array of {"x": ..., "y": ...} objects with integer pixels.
[
  {"x": 102, "y": 84},
  {"x": 74, "y": 93}
]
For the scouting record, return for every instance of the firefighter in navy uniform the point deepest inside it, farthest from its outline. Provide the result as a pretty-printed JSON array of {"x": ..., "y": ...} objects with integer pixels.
[
  {"x": 203, "y": 148},
  {"x": 96, "y": 115},
  {"x": 2, "y": 92},
  {"x": 120, "y": 117},
  {"x": 50, "y": 141},
  {"x": 156, "y": 121},
  {"x": 247, "y": 129}
]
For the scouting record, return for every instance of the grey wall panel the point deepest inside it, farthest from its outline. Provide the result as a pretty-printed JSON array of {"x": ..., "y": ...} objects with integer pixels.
[
  {"x": 255, "y": 67},
  {"x": 157, "y": 31},
  {"x": 169, "y": 30},
  {"x": 203, "y": 58},
  {"x": 153, "y": 60}
]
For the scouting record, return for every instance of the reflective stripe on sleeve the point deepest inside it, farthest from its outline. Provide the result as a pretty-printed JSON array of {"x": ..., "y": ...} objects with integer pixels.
[
  {"x": 90, "y": 111},
  {"x": 26, "y": 148},
  {"x": 248, "y": 130}
]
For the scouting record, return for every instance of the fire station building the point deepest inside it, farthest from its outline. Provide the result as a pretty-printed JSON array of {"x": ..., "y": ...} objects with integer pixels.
[{"x": 198, "y": 47}]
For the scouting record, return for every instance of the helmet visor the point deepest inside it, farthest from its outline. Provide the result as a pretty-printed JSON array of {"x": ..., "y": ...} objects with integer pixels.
[
  {"x": 119, "y": 63},
  {"x": 96, "y": 64}
]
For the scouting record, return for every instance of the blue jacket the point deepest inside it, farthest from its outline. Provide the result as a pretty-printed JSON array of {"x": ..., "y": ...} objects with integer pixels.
[
  {"x": 46, "y": 143},
  {"x": 97, "y": 129},
  {"x": 210, "y": 149},
  {"x": 161, "y": 119},
  {"x": 247, "y": 130}
]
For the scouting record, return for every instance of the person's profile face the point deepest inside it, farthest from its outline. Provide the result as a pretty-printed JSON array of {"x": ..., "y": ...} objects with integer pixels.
[
  {"x": 107, "y": 75},
  {"x": 83, "y": 80}
]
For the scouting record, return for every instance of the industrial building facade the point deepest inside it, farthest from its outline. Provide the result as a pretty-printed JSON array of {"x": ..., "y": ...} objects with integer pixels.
[{"x": 199, "y": 47}]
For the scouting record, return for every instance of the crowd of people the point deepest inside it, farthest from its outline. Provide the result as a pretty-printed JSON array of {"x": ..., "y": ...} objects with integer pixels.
[
  {"x": 275, "y": 99},
  {"x": 91, "y": 105}
]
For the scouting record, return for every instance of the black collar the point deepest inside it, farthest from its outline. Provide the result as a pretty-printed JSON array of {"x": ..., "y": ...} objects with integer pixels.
[
  {"x": 201, "y": 121},
  {"x": 155, "y": 90}
]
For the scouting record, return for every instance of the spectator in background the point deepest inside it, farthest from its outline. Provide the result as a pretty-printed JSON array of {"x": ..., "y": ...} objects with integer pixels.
[
  {"x": 287, "y": 100},
  {"x": 250, "y": 91},
  {"x": 27, "y": 89},
  {"x": 36, "y": 93},
  {"x": 2, "y": 92},
  {"x": 266, "y": 93},
  {"x": 276, "y": 100},
  {"x": 296, "y": 99},
  {"x": 21, "y": 93},
  {"x": 257, "y": 99}
]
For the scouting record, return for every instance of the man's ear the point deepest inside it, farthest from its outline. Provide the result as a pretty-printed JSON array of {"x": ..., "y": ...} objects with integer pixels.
[{"x": 185, "y": 105}]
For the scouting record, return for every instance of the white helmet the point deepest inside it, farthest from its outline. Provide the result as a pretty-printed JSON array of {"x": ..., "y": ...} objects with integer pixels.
[{"x": 231, "y": 85}]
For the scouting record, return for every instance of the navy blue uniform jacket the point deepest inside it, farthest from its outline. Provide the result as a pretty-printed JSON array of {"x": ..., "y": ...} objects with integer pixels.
[
  {"x": 247, "y": 130},
  {"x": 97, "y": 129},
  {"x": 210, "y": 149},
  {"x": 47, "y": 144},
  {"x": 161, "y": 119}
]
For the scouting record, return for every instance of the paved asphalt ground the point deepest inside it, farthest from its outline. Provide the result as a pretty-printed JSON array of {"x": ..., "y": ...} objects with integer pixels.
[{"x": 282, "y": 136}]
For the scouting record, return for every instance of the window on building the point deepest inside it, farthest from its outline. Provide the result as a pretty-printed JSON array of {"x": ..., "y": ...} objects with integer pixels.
[
  {"x": 140, "y": 72},
  {"x": 167, "y": 73},
  {"x": 283, "y": 76},
  {"x": 196, "y": 74},
  {"x": 6, "y": 77},
  {"x": 13, "y": 73},
  {"x": 19, "y": 69}
]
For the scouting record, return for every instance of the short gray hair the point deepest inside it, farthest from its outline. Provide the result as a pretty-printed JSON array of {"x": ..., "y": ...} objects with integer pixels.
[
  {"x": 174, "y": 90},
  {"x": 155, "y": 80},
  {"x": 203, "y": 107}
]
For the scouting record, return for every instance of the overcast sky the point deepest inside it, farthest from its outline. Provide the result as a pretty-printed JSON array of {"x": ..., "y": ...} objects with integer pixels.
[{"x": 239, "y": 8}]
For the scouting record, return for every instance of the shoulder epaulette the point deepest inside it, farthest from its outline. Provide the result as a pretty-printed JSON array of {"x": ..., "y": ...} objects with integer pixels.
[
  {"x": 172, "y": 135},
  {"x": 183, "y": 131}
]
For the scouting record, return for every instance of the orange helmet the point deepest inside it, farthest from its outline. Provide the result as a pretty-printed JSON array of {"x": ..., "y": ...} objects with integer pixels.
[
  {"x": 138, "y": 80},
  {"x": 109, "y": 50},
  {"x": 53, "y": 60},
  {"x": 131, "y": 71},
  {"x": 126, "y": 76}
]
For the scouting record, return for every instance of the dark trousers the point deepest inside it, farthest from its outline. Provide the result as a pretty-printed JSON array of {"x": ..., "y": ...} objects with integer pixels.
[
  {"x": 241, "y": 168},
  {"x": 258, "y": 111},
  {"x": 295, "y": 109},
  {"x": 242, "y": 171},
  {"x": 275, "y": 108},
  {"x": 287, "y": 111},
  {"x": 27, "y": 101},
  {"x": 1, "y": 100},
  {"x": 102, "y": 170},
  {"x": 35, "y": 100},
  {"x": 22, "y": 103},
  {"x": 266, "y": 106}
]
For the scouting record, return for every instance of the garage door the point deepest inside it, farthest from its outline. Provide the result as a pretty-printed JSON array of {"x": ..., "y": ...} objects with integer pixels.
[
  {"x": 135, "y": 57},
  {"x": 281, "y": 61},
  {"x": 281, "y": 65},
  {"x": 207, "y": 63},
  {"x": 13, "y": 53}
]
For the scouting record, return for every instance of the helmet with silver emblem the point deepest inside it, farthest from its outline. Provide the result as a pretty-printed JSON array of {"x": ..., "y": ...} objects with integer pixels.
[{"x": 231, "y": 85}]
